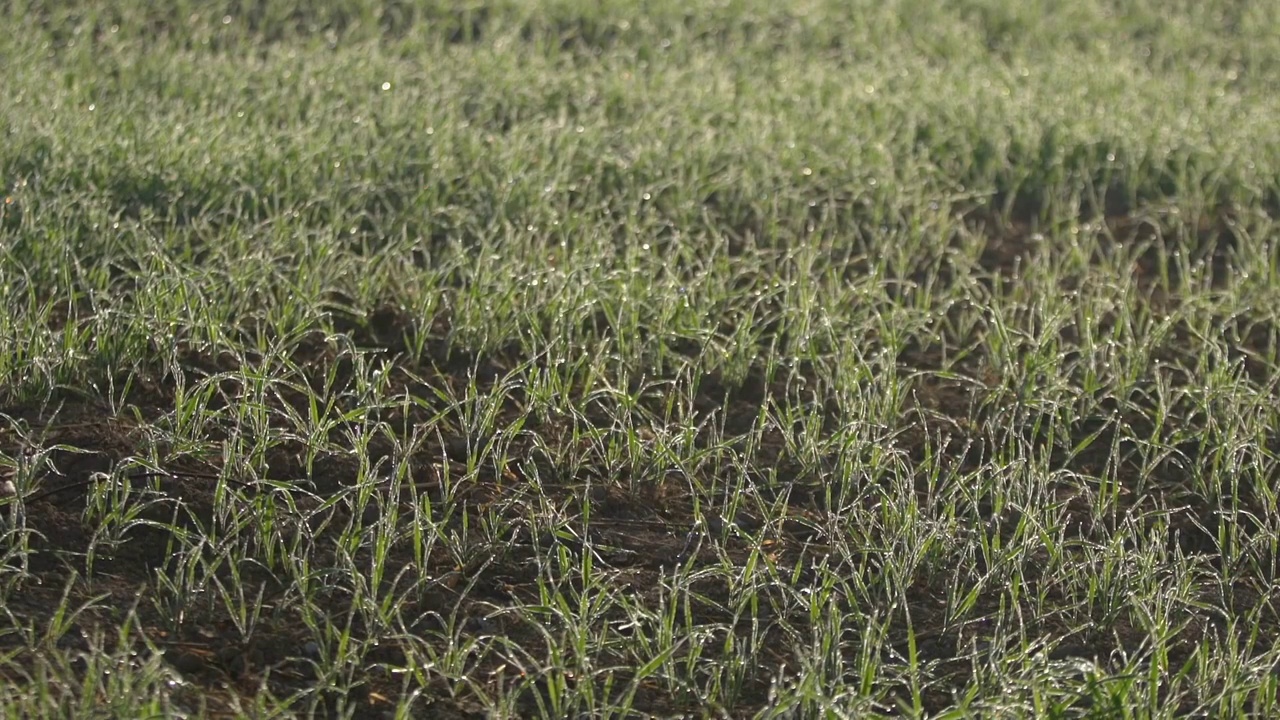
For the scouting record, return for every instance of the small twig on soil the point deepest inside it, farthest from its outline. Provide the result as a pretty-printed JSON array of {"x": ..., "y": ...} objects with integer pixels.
[{"x": 132, "y": 476}]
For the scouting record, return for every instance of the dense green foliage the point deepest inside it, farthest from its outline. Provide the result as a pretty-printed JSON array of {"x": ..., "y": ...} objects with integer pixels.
[{"x": 735, "y": 358}]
